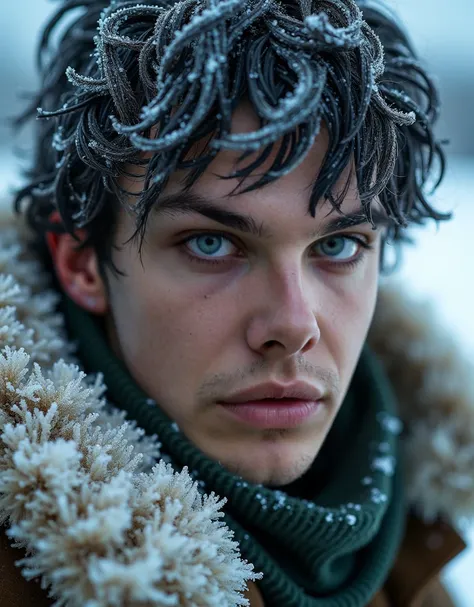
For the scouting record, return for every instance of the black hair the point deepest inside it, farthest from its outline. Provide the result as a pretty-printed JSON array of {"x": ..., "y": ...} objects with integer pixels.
[{"x": 122, "y": 78}]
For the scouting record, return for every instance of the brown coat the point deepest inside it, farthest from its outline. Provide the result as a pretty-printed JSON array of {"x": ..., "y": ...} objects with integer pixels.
[{"x": 413, "y": 581}]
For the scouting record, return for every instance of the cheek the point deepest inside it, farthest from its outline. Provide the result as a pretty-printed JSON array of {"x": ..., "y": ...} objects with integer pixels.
[
  {"x": 164, "y": 328},
  {"x": 349, "y": 312}
]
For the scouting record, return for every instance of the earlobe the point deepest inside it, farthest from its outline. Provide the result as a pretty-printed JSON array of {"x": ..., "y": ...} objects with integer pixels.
[{"x": 78, "y": 272}]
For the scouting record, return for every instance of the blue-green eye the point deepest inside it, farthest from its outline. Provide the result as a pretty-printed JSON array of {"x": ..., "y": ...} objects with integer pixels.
[
  {"x": 212, "y": 247},
  {"x": 340, "y": 248},
  {"x": 210, "y": 244}
]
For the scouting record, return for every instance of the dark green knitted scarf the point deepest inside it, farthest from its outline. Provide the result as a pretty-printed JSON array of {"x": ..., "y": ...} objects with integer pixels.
[{"x": 328, "y": 539}]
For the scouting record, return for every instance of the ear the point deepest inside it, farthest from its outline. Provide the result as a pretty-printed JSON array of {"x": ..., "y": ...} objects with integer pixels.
[{"x": 78, "y": 272}]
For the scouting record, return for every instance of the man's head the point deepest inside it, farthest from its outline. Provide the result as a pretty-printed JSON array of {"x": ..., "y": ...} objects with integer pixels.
[{"x": 234, "y": 169}]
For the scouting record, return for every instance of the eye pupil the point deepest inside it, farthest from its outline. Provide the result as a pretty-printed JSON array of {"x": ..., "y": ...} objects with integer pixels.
[
  {"x": 333, "y": 246},
  {"x": 209, "y": 244}
]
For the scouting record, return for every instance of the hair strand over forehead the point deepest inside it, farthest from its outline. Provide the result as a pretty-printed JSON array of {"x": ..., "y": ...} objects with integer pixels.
[{"x": 128, "y": 84}]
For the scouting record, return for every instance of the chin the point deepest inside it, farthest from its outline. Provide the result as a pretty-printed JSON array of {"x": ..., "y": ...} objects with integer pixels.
[{"x": 273, "y": 465}]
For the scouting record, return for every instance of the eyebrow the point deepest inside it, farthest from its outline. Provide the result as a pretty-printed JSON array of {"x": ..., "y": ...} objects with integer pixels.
[{"x": 188, "y": 203}]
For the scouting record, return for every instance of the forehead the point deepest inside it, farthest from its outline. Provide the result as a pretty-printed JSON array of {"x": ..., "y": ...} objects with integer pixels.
[
  {"x": 295, "y": 186},
  {"x": 285, "y": 199}
]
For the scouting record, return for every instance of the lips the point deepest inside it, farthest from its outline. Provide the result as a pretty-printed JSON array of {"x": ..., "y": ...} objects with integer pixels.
[
  {"x": 274, "y": 414},
  {"x": 298, "y": 391}
]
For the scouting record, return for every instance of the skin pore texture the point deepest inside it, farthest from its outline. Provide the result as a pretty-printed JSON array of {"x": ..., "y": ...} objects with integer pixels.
[{"x": 198, "y": 321}]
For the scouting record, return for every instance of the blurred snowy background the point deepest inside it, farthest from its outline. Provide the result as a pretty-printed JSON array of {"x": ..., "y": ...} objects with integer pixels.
[{"x": 439, "y": 269}]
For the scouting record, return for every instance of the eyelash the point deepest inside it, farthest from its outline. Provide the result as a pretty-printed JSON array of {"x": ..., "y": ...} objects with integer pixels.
[{"x": 366, "y": 246}]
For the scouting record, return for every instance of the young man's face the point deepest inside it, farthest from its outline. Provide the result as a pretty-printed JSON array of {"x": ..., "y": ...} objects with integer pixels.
[{"x": 198, "y": 323}]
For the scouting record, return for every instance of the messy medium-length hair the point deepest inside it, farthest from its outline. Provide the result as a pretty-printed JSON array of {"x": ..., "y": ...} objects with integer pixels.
[{"x": 123, "y": 81}]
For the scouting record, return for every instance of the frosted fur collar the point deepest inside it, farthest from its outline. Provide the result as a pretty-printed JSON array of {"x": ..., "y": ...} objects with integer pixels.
[{"x": 102, "y": 527}]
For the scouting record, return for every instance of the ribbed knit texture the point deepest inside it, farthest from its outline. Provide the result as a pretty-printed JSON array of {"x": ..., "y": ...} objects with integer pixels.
[{"x": 333, "y": 548}]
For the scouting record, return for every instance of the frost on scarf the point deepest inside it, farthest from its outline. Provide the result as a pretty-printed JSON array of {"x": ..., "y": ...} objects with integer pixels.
[{"x": 96, "y": 527}]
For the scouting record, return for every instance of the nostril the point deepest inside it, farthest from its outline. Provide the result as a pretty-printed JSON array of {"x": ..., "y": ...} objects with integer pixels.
[{"x": 271, "y": 343}]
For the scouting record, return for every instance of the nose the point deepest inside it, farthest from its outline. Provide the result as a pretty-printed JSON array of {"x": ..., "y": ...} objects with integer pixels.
[{"x": 285, "y": 324}]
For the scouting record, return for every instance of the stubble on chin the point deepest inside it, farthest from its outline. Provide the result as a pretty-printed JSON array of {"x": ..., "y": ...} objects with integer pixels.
[{"x": 276, "y": 474}]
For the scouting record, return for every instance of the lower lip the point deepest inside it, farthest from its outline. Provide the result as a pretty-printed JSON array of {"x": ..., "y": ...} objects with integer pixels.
[{"x": 274, "y": 414}]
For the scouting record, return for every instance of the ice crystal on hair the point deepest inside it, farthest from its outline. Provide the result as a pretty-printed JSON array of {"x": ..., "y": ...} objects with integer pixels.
[
  {"x": 168, "y": 75},
  {"x": 322, "y": 29}
]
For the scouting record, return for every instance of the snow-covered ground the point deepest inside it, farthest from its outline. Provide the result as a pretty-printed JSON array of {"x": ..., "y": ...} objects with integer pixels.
[{"x": 439, "y": 268}]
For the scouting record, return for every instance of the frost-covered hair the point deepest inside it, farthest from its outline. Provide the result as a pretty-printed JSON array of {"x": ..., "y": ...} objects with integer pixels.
[{"x": 127, "y": 83}]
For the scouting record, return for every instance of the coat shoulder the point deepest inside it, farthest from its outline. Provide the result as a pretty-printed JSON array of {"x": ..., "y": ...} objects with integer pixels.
[
  {"x": 426, "y": 549},
  {"x": 435, "y": 595},
  {"x": 15, "y": 590}
]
